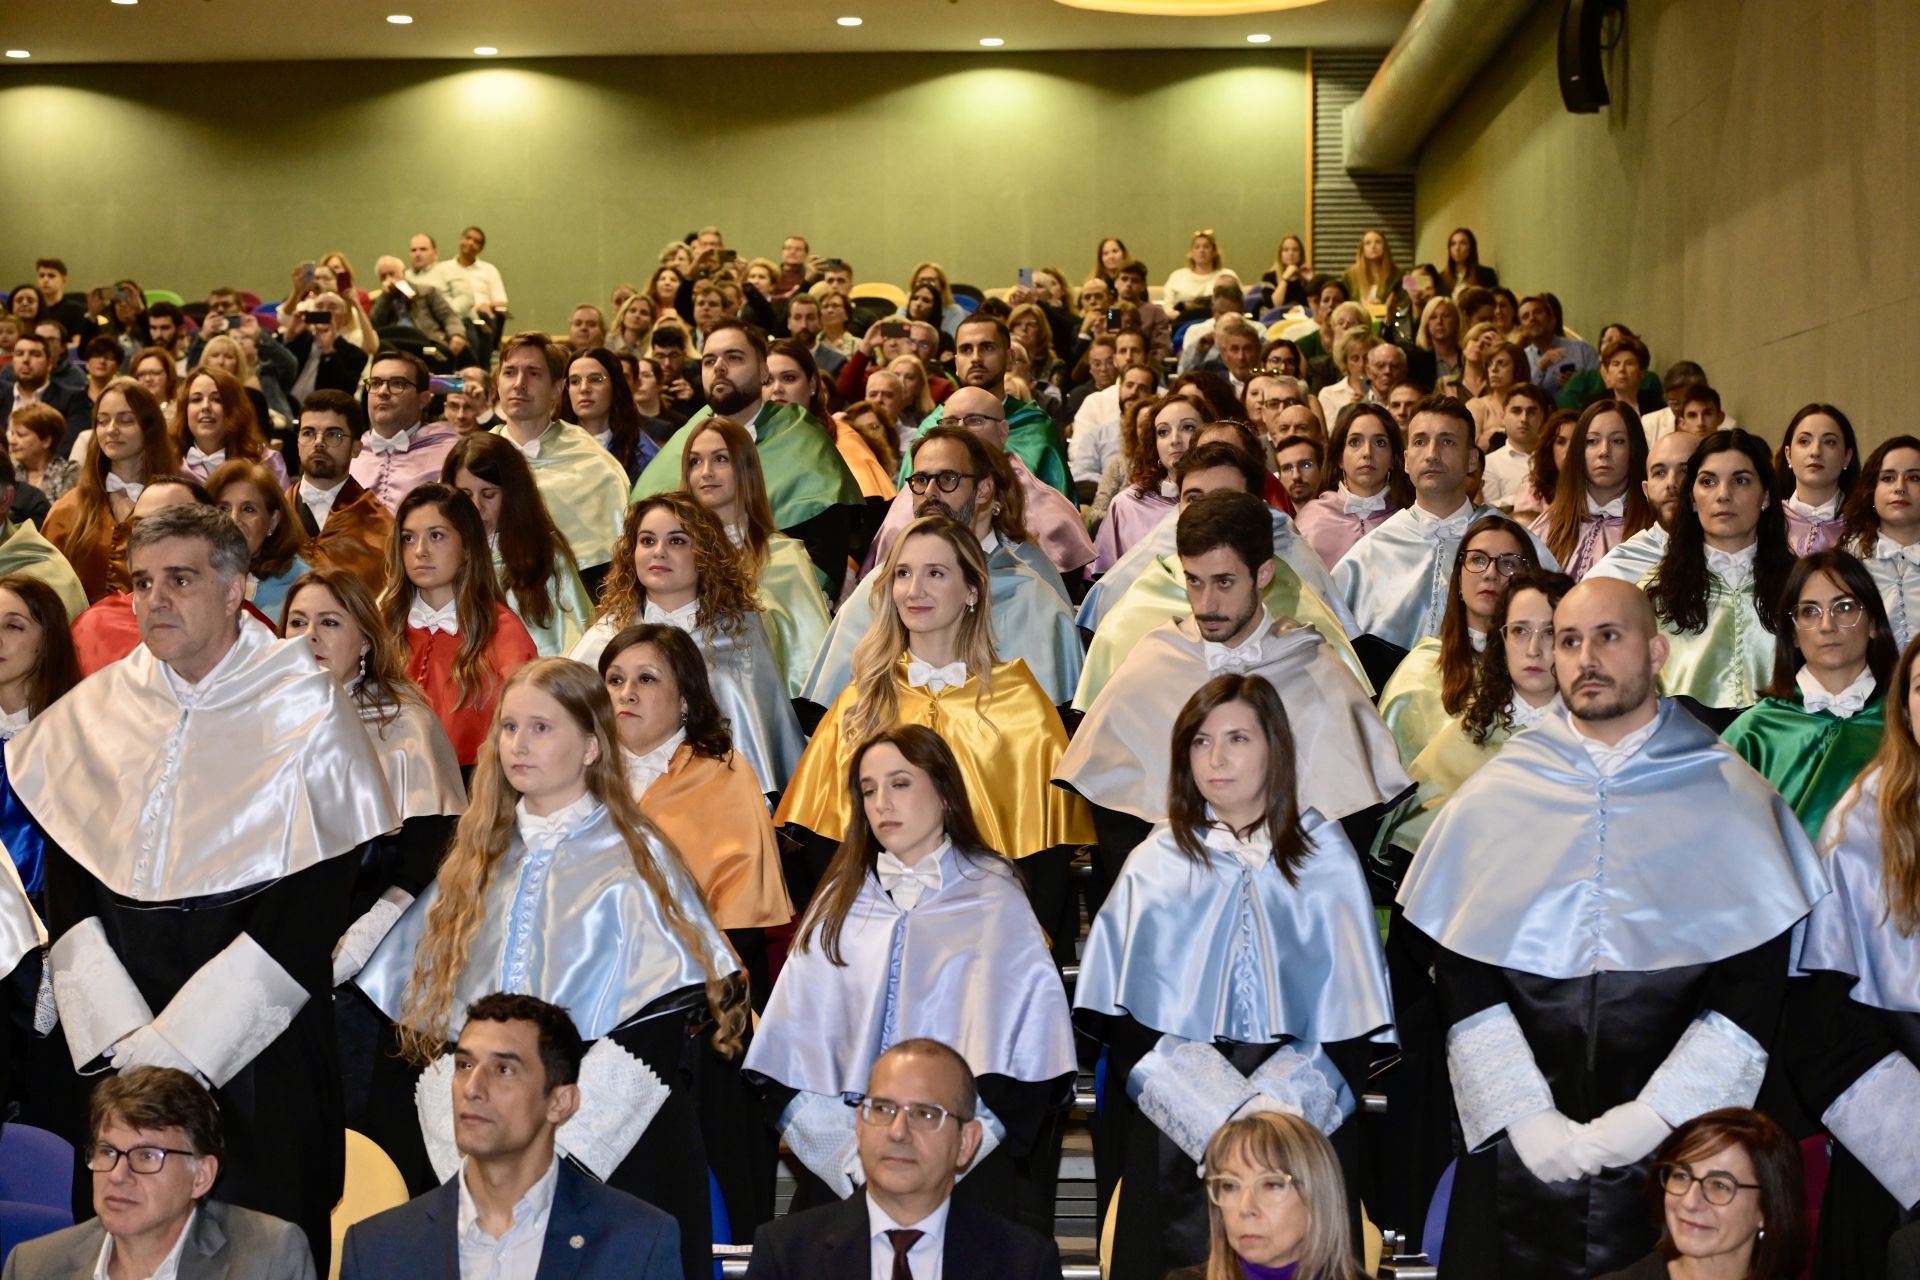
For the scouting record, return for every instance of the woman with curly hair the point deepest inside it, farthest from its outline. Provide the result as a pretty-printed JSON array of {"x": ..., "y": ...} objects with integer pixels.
[
  {"x": 558, "y": 887},
  {"x": 1163, "y": 430},
  {"x": 674, "y": 564}
]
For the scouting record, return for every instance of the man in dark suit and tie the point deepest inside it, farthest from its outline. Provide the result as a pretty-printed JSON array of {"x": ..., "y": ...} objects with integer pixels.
[
  {"x": 515, "y": 1209},
  {"x": 32, "y": 370},
  {"x": 917, "y": 1132}
]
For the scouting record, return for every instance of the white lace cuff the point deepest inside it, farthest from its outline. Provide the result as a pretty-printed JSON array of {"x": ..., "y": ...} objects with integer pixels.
[
  {"x": 1715, "y": 1064},
  {"x": 819, "y": 1129},
  {"x": 433, "y": 1104},
  {"x": 619, "y": 1097},
  {"x": 1307, "y": 1082},
  {"x": 236, "y": 1005},
  {"x": 98, "y": 1003},
  {"x": 1495, "y": 1079},
  {"x": 363, "y": 935},
  {"x": 46, "y": 1014},
  {"x": 1188, "y": 1090},
  {"x": 1873, "y": 1119}
]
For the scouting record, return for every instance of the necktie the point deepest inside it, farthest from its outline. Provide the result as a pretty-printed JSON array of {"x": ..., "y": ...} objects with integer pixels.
[
  {"x": 902, "y": 1240},
  {"x": 922, "y": 676}
]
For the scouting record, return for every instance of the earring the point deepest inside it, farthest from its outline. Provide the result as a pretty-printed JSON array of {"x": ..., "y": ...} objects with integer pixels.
[
  {"x": 969, "y": 606},
  {"x": 363, "y": 666}
]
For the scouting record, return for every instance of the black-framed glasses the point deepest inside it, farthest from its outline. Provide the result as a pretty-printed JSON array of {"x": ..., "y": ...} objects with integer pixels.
[
  {"x": 332, "y": 435},
  {"x": 103, "y": 1156},
  {"x": 1845, "y": 612},
  {"x": 1717, "y": 1185},
  {"x": 392, "y": 384},
  {"x": 971, "y": 421},
  {"x": 922, "y": 1117},
  {"x": 1268, "y": 1190},
  {"x": 1508, "y": 563},
  {"x": 944, "y": 481}
]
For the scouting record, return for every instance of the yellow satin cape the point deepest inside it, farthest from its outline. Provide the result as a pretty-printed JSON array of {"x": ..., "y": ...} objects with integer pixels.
[
  {"x": 1410, "y": 704},
  {"x": 1007, "y": 747},
  {"x": 716, "y": 816}
]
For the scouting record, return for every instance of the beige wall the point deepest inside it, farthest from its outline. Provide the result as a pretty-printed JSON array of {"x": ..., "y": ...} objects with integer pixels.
[
  {"x": 1748, "y": 201},
  {"x": 188, "y": 177}
]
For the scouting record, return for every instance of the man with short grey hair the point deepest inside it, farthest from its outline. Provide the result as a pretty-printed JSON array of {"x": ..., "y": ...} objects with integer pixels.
[{"x": 205, "y": 802}]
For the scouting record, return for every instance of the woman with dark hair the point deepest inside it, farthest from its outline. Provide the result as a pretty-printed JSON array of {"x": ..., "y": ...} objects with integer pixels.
[
  {"x": 1599, "y": 500},
  {"x": 920, "y": 929},
  {"x": 1367, "y": 465},
  {"x": 1514, "y": 688},
  {"x": 37, "y": 667},
  {"x": 1815, "y": 470},
  {"x": 1549, "y": 455},
  {"x": 1463, "y": 268},
  {"x": 1163, "y": 431},
  {"x": 442, "y": 601},
  {"x": 1852, "y": 1037},
  {"x": 1278, "y": 1207},
  {"x": 532, "y": 564},
  {"x": 1108, "y": 258},
  {"x": 214, "y": 421},
  {"x": 1718, "y": 589},
  {"x": 1821, "y": 719},
  {"x": 1726, "y": 1192},
  {"x": 1435, "y": 678},
  {"x": 128, "y": 449},
  {"x": 1183, "y": 978},
  {"x": 1883, "y": 529},
  {"x": 599, "y": 400},
  {"x": 252, "y": 495}
]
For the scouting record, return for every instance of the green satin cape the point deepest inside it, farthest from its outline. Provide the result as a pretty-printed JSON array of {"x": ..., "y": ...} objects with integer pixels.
[
  {"x": 1811, "y": 760},
  {"x": 805, "y": 472}
]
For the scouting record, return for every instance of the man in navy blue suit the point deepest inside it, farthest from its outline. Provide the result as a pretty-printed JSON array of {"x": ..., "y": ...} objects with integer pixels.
[
  {"x": 918, "y": 1130},
  {"x": 515, "y": 1210}
]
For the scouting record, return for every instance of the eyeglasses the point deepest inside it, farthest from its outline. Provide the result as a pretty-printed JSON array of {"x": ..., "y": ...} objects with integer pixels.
[
  {"x": 1507, "y": 564},
  {"x": 392, "y": 384},
  {"x": 971, "y": 421},
  {"x": 1718, "y": 1186},
  {"x": 1845, "y": 612},
  {"x": 1268, "y": 1191},
  {"x": 944, "y": 481},
  {"x": 102, "y": 1157},
  {"x": 922, "y": 1117},
  {"x": 1523, "y": 633},
  {"x": 332, "y": 435},
  {"x": 587, "y": 380}
]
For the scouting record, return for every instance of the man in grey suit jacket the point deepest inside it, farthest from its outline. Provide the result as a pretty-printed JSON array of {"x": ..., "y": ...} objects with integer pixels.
[
  {"x": 515, "y": 1208},
  {"x": 155, "y": 1155}
]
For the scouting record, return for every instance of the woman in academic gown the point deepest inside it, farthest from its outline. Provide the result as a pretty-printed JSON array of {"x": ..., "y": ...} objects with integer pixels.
[
  {"x": 37, "y": 667},
  {"x": 1599, "y": 501},
  {"x": 128, "y": 447},
  {"x": 1822, "y": 717},
  {"x": 1235, "y": 966},
  {"x": 556, "y": 886},
  {"x": 919, "y": 930}
]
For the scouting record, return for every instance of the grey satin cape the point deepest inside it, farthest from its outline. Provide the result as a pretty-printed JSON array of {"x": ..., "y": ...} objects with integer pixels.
[
  {"x": 968, "y": 966},
  {"x": 1686, "y": 856},
  {"x": 1633, "y": 559},
  {"x": 1848, "y": 932},
  {"x": 1394, "y": 580},
  {"x": 423, "y": 774},
  {"x": 1162, "y": 949},
  {"x": 597, "y": 944}
]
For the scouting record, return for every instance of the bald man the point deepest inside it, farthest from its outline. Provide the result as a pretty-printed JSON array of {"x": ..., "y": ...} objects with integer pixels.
[
  {"x": 1606, "y": 907},
  {"x": 1635, "y": 558}
]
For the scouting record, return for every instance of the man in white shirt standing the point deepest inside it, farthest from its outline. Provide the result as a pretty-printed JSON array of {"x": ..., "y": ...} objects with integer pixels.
[
  {"x": 1522, "y": 416},
  {"x": 917, "y": 1132},
  {"x": 516, "y": 1070},
  {"x": 487, "y": 289}
]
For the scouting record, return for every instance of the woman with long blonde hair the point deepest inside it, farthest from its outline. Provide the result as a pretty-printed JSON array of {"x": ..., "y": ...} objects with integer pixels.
[
  {"x": 1277, "y": 1203},
  {"x": 556, "y": 886},
  {"x": 128, "y": 448}
]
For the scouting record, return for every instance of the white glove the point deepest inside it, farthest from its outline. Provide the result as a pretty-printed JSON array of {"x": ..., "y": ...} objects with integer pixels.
[
  {"x": 362, "y": 936},
  {"x": 1627, "y": 1134},
  {"x": 433, "y": 1104},
  {"x": 1553, "y": 1147},
  {"x": 148, "y": 1048},
  {"x": 819, "y": 1130}
]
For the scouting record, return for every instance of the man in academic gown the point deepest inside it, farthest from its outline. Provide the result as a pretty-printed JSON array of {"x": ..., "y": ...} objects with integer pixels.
[
  {"x": 1606, "y": 907},
  {"x": 1118, "y": 757},
  {"x": 982, "y": 346},
  {"x": 1394, "y": 580},
  {"x": 1030, "y": 619},
  {"x": 1667, "y": 459},
  {"x": 347, "y": 526},
  {"x": 204, "y": 805},
  {"x": 399, "y": 452},
  {"x": 814, "y": 496}
]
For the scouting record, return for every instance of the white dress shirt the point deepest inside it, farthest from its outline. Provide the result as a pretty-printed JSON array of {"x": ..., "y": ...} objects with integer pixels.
[
  {"x": 1504, "y": 475},
  {"x": 515, "y": 1255},
  {"x": 169, "y": 1266},
  {"x": 645, "y": 770},
  {"x": 1735, "y": 568},
  {"x": 1242, "y": 657},
  {"x": 320, "y": 501},
  {"x": 1845, "y": 704},
  {"x": 928, "y": 1251},
  {"x": 1610, "y": 760}
]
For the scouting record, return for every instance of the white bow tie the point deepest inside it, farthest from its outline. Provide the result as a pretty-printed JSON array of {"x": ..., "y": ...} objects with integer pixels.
[
  {"x": 922, "y": 676},
  {"x": 1359, "y": 506},
  {"x": 1525, "y": 715},
  {"x": 1826, "y": 511},
  {"x": 1435, "y": 529},
  {"x": 207, "y": 460},
  {"x": 1253, "y": 852},
  {"x": 1238, "y": 660},
  {"x": 1845, "y": 704},
  {"x": 1617, "y": 509},
  {"x": 1735, "y": 568},
  {"x": 312, "y": 495},
  {"x": 396, "y": 443},
  {"x": 684, "y": 618},
  {"x": 424, "y": 616},
  {"x": 544, "y": 834},
  {"x": 907, "y": 885},
  {"x": 132, "y": 489}
]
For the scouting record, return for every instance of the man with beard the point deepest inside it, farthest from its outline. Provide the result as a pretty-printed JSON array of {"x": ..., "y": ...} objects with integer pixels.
[
  {"x": 813, "y": 495},
  {"x": 981, "y": 347},
  {"x": 1635, "y": 558},
  {"x": 1606, "y": 909},
  {"x": 347, "y": 527}
]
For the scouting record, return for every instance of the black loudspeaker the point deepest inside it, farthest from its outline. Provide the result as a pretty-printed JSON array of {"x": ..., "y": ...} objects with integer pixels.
[{"x": 1583, "y": 44}]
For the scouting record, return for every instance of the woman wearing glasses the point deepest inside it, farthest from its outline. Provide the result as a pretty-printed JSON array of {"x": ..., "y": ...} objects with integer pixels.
[
  {"x": 1821, "y": 719},
  {"x": 1234, "y": 968},
  {"x": 1277, "y": 1204},
  {"x": 920, "y": 929},
  {"x": 599, "y": 399},
  {"x": 1599, "y": 500},
  {"x": 1432, "y": 682},
  {"x": 1731, "y": 1204}
]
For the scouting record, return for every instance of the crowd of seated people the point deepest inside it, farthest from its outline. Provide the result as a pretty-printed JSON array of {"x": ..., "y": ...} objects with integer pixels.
[{"x": 1430, "y": 771}]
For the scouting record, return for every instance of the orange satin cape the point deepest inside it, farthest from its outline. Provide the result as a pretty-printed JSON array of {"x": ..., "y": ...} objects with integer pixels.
[{"x": 716, "y": 816}]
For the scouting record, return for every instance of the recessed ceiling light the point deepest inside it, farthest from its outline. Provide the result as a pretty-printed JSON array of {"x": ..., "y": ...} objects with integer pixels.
[
  {"x": 126, "y": 1},
  {"x": 485, "y": 50},
  {"x": 848, "y": 22},
  {"x": 991, "y": 42},
  {"x": 18, "y": 53},
  {"x": 1259, "y": 37},
  {"x": 400, "y": 19}
]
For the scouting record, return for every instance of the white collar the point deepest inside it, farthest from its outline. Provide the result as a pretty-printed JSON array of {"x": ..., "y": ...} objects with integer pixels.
[
  {"x": 399, "y": 442},
  {"x": 424, "y": 616},
  {"x": 1478, "y": 639},
  {"x": 1525, "y": 715},
  {"x": 1735, "y": 568},
  {"x": 311, "y": 492},
  {"x": 684, "y": 617},
  {"x": 12, "y": 722},
  {"x": 1242, "y": 657},
  {"x": 188, "y": 695},
  {"x": 645, "y": 770},
  {"x": 1609, "y": 760},
  {"x": 1845, "y": 704},
  {"x": 737, "y": 534},
  {"x": 1885, "y": 548},
  {"x": 990, "y": 543},
  {"x": 169, "y": 1267},
  {"x": 531, "y": 449},
  {"x": 907, "y": 885},
  {"x": 1253, "y": 851},
  {"x": 546, "y": 833},
  {"x": 1825, "y": 512},
  {"x": 1617, "y": 509},
  {"x": 604, "y": 438},
  {"x": 1358, "y": 506},
  {"x": 934, "y": 1225},
  {"x": 1441, "y": 526},
  {"x": 923, "y": 675},
  {"x": 532, "y": 1206}
]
